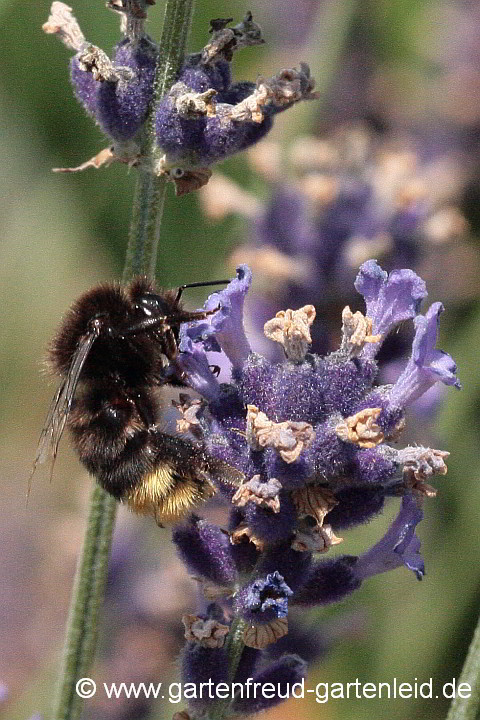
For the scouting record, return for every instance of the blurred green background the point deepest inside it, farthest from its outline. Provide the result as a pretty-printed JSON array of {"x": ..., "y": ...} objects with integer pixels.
[{"x": 62, "y": 233}]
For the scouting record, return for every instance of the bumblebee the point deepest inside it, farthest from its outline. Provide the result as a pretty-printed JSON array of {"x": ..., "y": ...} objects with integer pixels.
[{"x": 113, "y": 351}]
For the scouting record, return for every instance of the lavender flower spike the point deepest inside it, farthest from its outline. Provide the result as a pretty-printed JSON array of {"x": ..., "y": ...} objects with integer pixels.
[
  {"x": 427, "y": 365},
  {"x": 390, "y": 299},
  {"x": 307, "y": 438},
  {"x": 399, "y": 546}
]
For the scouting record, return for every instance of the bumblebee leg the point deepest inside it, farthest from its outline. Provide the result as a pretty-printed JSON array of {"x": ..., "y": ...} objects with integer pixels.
[
  {"x": 169, "y": 343},
  {"x": 158, "y": 520},
  {"x": 144, "y": 407}
]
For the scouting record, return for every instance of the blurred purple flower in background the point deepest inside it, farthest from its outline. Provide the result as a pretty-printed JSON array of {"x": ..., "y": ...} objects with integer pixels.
[{"x": 349, "y": 196}]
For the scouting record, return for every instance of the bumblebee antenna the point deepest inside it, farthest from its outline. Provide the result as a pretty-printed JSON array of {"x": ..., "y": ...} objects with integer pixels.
[{"x": 198, "y": 284}]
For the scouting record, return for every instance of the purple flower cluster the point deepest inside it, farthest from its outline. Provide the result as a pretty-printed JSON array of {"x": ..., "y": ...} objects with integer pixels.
[
  {"x": 310, "y": 438},
  {"x": 205, "y": 117}
]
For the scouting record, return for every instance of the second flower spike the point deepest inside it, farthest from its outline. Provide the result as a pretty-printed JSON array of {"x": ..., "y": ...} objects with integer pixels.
[{"x": 204, "y": 118}]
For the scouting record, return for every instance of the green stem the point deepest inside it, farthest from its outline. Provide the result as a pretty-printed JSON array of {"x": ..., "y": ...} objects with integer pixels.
[
  {"x": 89, "y": 586},
  {"x": 468, "y": 708},
  {"x": 144, "y": 235},
  {"x": 150, "y": 191},
  {"x": 178, "y": 18},
  {"x": 234, "y": 646},
  {"x": 87, "y": 594}
]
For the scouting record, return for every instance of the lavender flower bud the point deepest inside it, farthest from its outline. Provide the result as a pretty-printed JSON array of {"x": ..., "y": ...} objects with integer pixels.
[
  {"x": 203, "y": 665},
  {"x": 248, "y": 661},
  {"x": 122, "y": 108},
  {"x": 292, "y": 566},
  {"x": 205, "y": 549},
  {"x": 328, "y": 581},
  {"x": 269, "y": 526},
  {"x": 356, "y": 505},
  {"x": 119, "y": 102}
]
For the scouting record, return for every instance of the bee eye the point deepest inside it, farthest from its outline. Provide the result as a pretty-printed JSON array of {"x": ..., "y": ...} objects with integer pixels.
[
  {"x": 177, "y": 173},
  {"x": 151, "y": 304},
  {"x": 148, "y": 304}
]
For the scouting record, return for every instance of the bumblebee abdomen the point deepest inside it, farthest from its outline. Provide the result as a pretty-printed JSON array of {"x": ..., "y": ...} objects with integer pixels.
[
  {"x": 177, "y": 482},
  {"x": 167, "y": 495},
  {"x": 154, "y": 473}
]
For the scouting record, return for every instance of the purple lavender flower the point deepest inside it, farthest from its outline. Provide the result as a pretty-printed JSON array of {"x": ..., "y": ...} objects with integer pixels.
[
  {"x": 227, "y": 323},
  {"x": 313, "y": 420},
  {"x": 427, "y": 365},
  {"x": 399, "y": 546},
  {"x": 389, "y": 299},
  {"x": 205, "y": 117},
  {"x": 264, "y": 599},
  {"x": 117, "y": 92},
  {"x": 309, "y": 436}
]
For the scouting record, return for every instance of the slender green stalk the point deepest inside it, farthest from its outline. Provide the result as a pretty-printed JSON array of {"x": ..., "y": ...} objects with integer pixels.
[
  {"x": 144, "y": 235},
  {"x": 89, "y": 586},
  {"x": 178, "y": 18},
  {"x": 86, "y": 603},
  {"x": 150, "y": 192},
  {"x": 234, "y": 646},
  {"x": 469, "y": 708}
]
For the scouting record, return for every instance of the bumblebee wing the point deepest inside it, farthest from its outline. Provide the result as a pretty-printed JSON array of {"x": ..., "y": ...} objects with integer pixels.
[
  {"x": 47, "y": 430},
  {"x": 62, "y": 403}
]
